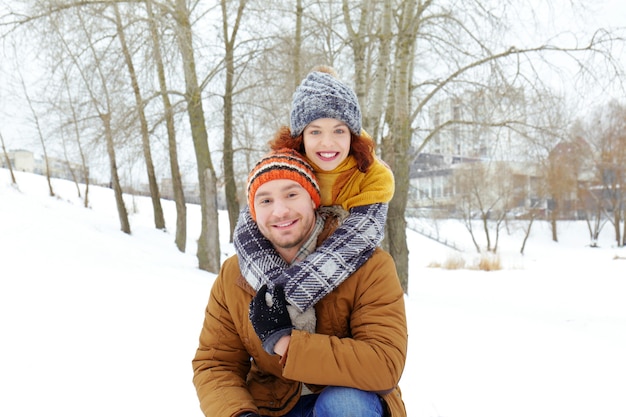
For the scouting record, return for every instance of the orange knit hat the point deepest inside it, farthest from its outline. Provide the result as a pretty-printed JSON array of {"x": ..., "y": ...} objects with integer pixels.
[{"x": 282, "y": 164}]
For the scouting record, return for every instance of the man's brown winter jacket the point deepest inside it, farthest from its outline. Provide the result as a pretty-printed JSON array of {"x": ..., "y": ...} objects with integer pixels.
[{"x": 360, "y": 342}]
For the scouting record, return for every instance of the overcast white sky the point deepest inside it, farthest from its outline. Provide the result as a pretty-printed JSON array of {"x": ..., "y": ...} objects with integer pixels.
[
  {"x": 599, "y": 13},
  {"x": 614, "y": 12}
]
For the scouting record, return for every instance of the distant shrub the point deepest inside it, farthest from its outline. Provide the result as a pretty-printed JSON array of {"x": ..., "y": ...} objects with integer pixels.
[
  {"x": 454, "y": 261},
  {"x": 486, "y": 262},
  {"x": 489, "y": 262}
]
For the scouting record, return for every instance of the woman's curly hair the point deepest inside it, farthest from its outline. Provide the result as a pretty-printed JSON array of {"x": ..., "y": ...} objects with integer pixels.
[{"x": 361, "y": 146}]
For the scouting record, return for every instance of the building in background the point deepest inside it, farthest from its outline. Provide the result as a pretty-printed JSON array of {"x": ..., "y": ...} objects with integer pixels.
[
  {"x": 20, "y": 160},
  {"x": 471, "y": 128},
  {"x": 25, "y": 161}
]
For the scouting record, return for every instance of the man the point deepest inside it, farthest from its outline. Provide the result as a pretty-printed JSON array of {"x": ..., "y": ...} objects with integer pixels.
[{"x": 255, "y": 359}]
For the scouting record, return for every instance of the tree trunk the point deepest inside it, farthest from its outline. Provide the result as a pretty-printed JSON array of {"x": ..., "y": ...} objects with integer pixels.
[
  {"x": 372, "y": 116},
  {"x": 623, "y": 243},
  {"x": 8, "y": 161},
  {"x": 527, "y": 233},
  {"x": 358, "y": 44},
  {"x": 396, "y": 145},
  {"x": 177, "y": 182},
  {"x": 79, "y": 145},
  {"x": 396, "y": 153},
  {"x": 230, "y": 186},
  {"x": 485, "y": 221},
  {"x": 297, "y": 46},
  {"x": 208, "y": 252},
  {"x": 617, "y": 221},
  {"x": 40, "y": 133},
  {"x": 105, "y": 117},
  {"x": 115, "y": 179},
  {"x": 69, "y": 166},
  {"x": 159, "y": 220}
]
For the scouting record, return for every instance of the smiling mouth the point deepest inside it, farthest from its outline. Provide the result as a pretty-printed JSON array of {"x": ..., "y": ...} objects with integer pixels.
[
  {"x": 285, "y": 224},
  {"x": 328, "y": 155}
]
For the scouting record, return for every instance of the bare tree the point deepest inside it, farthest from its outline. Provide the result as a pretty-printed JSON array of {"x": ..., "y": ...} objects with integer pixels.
[
  {"x": 358, "y": 41},
  {"x": 613, "y": 166},
  {"x": 582, "y": 157},
  {"x": 592, "y": 212},
  {"x": 485, "y": 192},
  {"x": 296, "y": 57},
  {"x": 605, "y": 132},
  {"x": 559, "y": 164},
  {"x": 159, "y": 220},
  {"x": 77, "y": 136},
  {"x": 230, "y": 42},
  {"x": 8, "y": 160},
  {"x": 374, "y": 112},
  {"x": 370, "y": 40},
  {"x": 168, "y": 110},
  {"x": 563, "y": 172},
  {"x": 208, "y": 252},
  {"x": 39, "y": 133},
  {"x": 101, "y": 101},
  {"x": 397, "y": 143},
  {"x": 68, "y": 162}
]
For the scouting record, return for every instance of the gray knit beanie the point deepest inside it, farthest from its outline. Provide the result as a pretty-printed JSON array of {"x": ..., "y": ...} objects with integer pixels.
[{"x": 321, "y": 95}]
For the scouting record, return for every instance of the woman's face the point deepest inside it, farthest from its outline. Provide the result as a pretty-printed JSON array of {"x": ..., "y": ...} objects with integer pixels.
[{"x": 326, "y": 143}]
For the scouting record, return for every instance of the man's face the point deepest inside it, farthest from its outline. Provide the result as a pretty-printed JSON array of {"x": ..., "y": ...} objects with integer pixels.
[{"x": 285, "y": 214}]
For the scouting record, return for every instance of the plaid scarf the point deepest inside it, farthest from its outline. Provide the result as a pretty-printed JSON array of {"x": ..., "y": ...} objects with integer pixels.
[
  {"x": 308, "y": 280},
  {"x": 309, "y": 246}
]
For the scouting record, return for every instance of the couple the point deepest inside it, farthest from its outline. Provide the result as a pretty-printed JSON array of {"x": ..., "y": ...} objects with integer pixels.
[{"x": 291, "y": 330}]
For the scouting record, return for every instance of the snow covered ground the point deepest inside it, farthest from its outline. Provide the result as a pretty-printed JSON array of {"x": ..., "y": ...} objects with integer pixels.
[{"x": 96, "y": 322}]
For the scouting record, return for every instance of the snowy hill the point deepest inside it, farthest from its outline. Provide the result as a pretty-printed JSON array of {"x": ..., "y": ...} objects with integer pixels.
[{"x": 96, "y": 322}]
